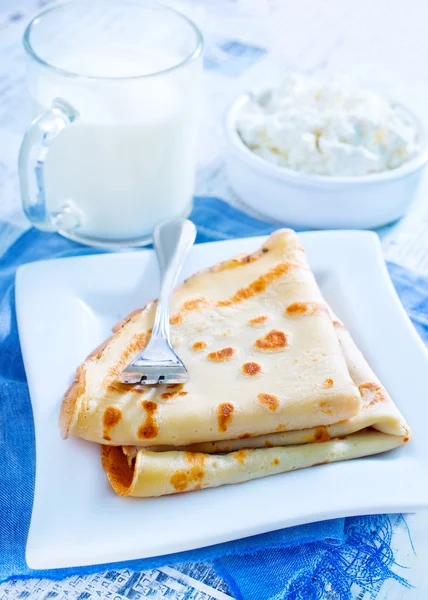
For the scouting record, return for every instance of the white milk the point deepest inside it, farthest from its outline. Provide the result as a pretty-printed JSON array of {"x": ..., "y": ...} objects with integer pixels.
[{"x": 128, "y": 160}]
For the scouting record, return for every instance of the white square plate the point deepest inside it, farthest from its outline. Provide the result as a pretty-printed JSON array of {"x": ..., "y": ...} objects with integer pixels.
[{"x": 66, "y": 308}]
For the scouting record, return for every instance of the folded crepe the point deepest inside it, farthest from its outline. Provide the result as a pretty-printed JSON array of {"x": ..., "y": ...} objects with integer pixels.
[
  {"x": 160, "y": 473},
  {"x": 270, "y": 372}
]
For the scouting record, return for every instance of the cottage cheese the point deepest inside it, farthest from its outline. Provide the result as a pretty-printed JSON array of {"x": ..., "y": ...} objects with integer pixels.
[{"x": 327, "y": 128}]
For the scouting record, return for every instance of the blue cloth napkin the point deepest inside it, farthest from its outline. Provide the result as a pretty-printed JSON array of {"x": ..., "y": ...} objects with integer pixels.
[{"x": 292, "y": 563}]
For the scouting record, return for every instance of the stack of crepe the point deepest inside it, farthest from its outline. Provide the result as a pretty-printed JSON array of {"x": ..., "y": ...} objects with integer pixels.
[{"x": 276, "y": 383}]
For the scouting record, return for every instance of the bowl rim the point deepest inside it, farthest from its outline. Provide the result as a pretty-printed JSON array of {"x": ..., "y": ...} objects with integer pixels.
[{"x": 298, "y": 177}]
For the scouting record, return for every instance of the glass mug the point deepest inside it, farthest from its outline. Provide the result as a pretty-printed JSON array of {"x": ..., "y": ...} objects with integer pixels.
[{"x": 113, "y": 151}]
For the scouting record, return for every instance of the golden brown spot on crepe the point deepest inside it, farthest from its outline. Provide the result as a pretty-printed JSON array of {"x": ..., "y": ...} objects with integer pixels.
[
  {"x": 328, "y": 383},
  {"x": 273, "y": 341},
  {"x": 280, "y": 427},
  {"x": 380, "y": 396},
  {"x": 176, "y": 391},
  {"x": 176, "y": 320},
  {"x": 305, "y": 308},
  {"x": 269, "y": 444},
  {"x": 195, "y": 304},
  {"x": 243, "y": 436},
  {"x": 256, "y": 321},
  {"x": 188, "y": 306},
  {"x": 149, "y": 429},
  {"x": 339, "y": 324},
  {"x": 224, "y": 415},
  {"x": 135, "y": 388},
  {"x": 275, "y": 462},
  {"x": 325, "y": 407},
  {"x": 269, "y": 401},
  {"x": 222, "y": 355},
  {"x": 112, "y": 416},
  {"x": 115, "y": 464},
  {"x": 260, "y": 284},
  {"x": 405, "y": 439},
  {"x": 149, "y": 406},
  {"x": 321, "y": 434},
  {"x": 179, "y": 481},
  {"x": 169, "y": 395},
  {"x": 195, "y": 458},
  {"x": 138, "y": 342},
  {"x": 199, "y": 346},
  {"x": 251, "y": 369},
  {"x": 240, "y": 456},
  {"x": 197, "y": 461},
  {"x": 371, "y": 386}
]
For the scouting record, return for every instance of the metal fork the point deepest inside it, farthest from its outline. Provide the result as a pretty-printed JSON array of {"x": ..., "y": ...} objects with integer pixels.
[{"x": 158, "y": 363}]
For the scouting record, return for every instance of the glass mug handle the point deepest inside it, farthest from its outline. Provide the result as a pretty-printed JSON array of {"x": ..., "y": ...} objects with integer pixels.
[{"x": 31, "y": 165}]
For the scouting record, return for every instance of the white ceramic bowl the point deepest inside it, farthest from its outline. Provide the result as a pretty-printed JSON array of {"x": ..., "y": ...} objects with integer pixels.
[{"x": 303, "y": 200}]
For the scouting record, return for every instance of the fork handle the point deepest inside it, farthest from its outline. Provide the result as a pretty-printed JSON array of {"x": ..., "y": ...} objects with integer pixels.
[{"x": 172, "y": 241}]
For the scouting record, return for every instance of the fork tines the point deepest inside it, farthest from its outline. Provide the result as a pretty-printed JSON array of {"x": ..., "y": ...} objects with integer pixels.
[{"x": 154, "y": 373}]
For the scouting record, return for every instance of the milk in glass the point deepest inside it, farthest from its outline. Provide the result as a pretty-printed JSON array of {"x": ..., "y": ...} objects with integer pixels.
[{"x": 128, "y": 159}]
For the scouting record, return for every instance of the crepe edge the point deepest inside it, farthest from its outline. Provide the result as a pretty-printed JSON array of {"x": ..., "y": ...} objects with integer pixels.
[
  {"x": 120, "y": 473},
  {"x": 68, "y": 410},
  {"x": 126, "y": 474},
  {"x": 228, "y": 263}
]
